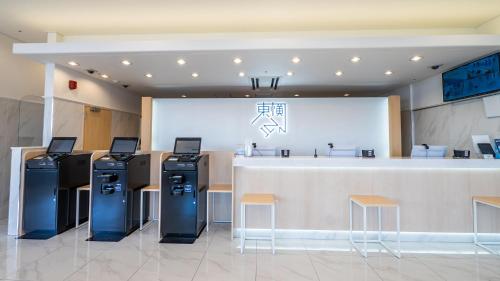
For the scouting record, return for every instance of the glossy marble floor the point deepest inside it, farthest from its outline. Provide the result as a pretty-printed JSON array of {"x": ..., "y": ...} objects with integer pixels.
[{"x": 215, "y": 257}]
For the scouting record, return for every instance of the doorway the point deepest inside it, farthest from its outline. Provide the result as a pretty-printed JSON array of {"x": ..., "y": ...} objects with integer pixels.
[{"x": 96, "y": 128}]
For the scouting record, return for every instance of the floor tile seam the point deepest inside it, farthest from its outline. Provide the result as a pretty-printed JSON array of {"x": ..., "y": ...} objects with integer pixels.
[
  {"x": 431, "y": 269},
  {"x": 204, "y": 255},
  {"x": 81, "y": 267},
  {"x": 312, "y": 264},
  {"x": 139, "y": 268}
]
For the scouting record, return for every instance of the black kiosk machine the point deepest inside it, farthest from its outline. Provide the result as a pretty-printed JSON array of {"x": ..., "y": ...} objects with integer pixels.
[
  {"x": 116, "y": 183},
  {"x": 49, "y": 204},
  {"x": 184, "y": 188}
]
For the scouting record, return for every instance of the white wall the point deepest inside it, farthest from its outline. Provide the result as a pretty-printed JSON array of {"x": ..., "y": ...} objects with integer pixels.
[
  {"x": 19, "y": 76},
  {"x": 94, "y": 92},
  {"x": 428, "y": 92},
  {"x": 224, "y": 124}
]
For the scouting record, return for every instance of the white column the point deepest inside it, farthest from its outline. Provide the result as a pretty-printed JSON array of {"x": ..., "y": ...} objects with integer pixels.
[{"x": 48, "y": 112}]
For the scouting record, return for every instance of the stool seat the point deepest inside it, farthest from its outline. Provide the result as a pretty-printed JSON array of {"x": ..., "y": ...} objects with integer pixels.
[
  {"x": 151, "y": 188},
  {"x": 492, "y": 201},
  {"x": 378, "y": 202},
  {"x": 258, "y": 199},
  {"x": 488, "y": 200},
  {"x": 373, "y": 201},
  {"x": 221, "y": 187},
  {"x": 84, "y": 187}
]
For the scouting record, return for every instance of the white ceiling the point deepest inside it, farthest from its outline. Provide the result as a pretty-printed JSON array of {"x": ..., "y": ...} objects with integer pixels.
[
  {"x": 70, "y": 17},
  {"x": 313, "y": 76}
]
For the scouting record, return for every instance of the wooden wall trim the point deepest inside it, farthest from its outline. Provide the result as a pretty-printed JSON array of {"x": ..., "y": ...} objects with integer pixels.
[
  {"x": 394, "y": 107},
  {"x": 146, "y": 123}
]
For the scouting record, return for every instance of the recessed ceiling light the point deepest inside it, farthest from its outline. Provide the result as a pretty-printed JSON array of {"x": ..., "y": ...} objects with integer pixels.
[
  {"x": 296, "y": 95},
  {"x": 149, "y": 75},
  {"x": 339, "y": 73},
  {"x": 184, "y": 96},
  {"x": 104, "y": 76},
  {"x": 73, "y": 63},
  {"x": 247, "y": 96},
  {"x": 126, "y": 62},
  {"x": 241, "y": 74},
  {"x": 388, "y": 73},
  {"x": 346, "y": 95},
  {"x": 181, "y": 62},
  {"x": 416, "y": 58},
  {"x": 237, "y": 60},
  {"x": 355, "y": 59},
  {"x": 289, "y": 73},
  {"x": 195, "y": 75},
  {"x": 296, "y": 60}
]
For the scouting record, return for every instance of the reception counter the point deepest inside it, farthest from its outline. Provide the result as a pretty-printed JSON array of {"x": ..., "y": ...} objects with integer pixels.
[{"x": 435, "y": 195}]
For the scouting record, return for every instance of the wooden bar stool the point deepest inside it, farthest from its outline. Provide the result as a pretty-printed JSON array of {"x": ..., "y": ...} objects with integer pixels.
[
  {"x": 489, "y": 201},
  {"x": 216, "y": 189},
  {"x": 77, "y": 213},
  {"x": 149, "y": 188},
  {"x": 257, "y": 199},
  {"x": 379, "y": 202}
]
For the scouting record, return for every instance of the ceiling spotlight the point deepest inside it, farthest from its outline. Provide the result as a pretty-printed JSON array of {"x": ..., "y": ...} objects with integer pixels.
[
  {"x": 104, "y": 76},
  {"x": 355, "y": 59},
  {"x": 388, "y": 73},
  {"x": 296, "y": 60},
  {"x": 416, "y": 58},
  {"x": 195, "y": 75},
  {"x": 339, "y": 73},
  {"x": 149, "y": 75},
  {"x": 289, "y": 73},
  {"x": 346, "y": 95},
  {"x": 241, "y": 74},
  {"x": 73, "y": 63},
  {"x": 237, "y": 61},
  {"x": 247, "y": 96},
  {"x": 296, "y": 95},
  {"x": 184, "y": 96},
  {"x": 126, "y": 62},
  {"x": 181, "y": 62}
]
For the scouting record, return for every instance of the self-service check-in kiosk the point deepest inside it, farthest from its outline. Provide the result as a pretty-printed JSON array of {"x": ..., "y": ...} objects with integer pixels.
[
  {"x": 116, "y": 183},
  {"x": 49, "y": 204},
  {"x": 184, "y": 188}
]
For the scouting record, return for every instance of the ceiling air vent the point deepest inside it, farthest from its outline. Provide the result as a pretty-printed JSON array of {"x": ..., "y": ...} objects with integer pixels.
[{"x": 265, "y": 83}]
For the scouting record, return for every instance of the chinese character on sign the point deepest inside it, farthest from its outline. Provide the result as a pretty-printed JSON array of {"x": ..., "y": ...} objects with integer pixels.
[{"x": 271, "y": 118}]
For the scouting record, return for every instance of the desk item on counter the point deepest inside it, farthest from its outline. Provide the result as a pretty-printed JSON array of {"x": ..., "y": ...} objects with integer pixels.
[
  {"x": 461, "y": 154},
  {"x": 368, "y": 153},
  {"x": 285, "y": 153}
]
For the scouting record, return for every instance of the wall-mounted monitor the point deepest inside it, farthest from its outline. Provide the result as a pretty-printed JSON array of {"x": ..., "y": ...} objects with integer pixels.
[{"x": 475, "y": 78}]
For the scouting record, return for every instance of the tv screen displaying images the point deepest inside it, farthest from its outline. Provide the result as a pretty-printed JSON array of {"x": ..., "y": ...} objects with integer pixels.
[{"x": 475, "y": 78}]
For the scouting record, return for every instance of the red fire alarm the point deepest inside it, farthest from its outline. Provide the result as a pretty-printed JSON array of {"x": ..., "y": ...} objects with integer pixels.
[{"x": 73, "y": 85}]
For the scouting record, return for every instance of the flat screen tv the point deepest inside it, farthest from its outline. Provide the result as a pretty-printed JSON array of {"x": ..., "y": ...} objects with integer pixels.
[{"x": 475, "y": 78}]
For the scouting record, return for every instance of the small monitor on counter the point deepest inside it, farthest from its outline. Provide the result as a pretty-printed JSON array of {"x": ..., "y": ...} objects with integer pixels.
[
  {"x": 343, "y": 151},
  {"x": 429, "y": 151}
]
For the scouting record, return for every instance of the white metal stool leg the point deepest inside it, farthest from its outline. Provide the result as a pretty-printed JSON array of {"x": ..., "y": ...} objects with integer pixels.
[
  {"x": 474, "y": 210},
  {"x": 273, "y": 227},
  {"x": 141, "y": 217},
  {"x": 77, "y": 219},
  {"x": 398, "y": 226},
  {"x": 350, "y": 222},
  {"x": 242, "y": 228},
  {"x": 365, "y": 238},
  {"x": 208, "y": 208},
  {"x": 379, "y": 210}
]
